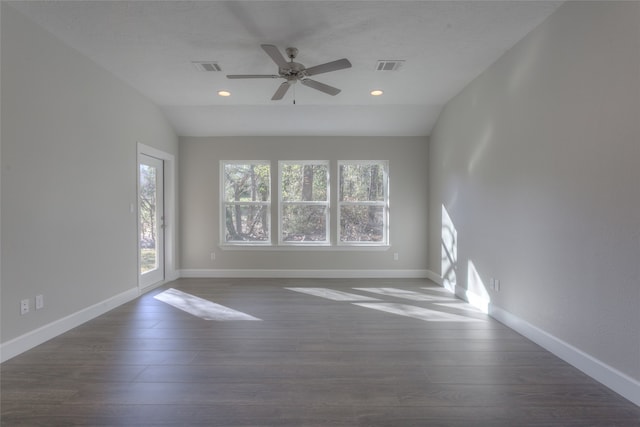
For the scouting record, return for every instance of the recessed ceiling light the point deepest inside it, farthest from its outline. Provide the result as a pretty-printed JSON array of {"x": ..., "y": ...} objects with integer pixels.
[
  {"x": 224, "y": 93},
  {"x": 376, "y": 92}
]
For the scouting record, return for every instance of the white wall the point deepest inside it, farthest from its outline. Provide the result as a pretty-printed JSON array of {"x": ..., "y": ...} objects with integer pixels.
[
  {"x": 537, "y": 162},
  {"x": 200, "y": 206},
  {"x": 68, "y": 177}
]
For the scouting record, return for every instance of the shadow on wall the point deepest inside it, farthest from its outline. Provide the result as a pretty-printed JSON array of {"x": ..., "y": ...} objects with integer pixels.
[
  {"x": 449, "y": 252},
  {"x": 474, "y": 290}
]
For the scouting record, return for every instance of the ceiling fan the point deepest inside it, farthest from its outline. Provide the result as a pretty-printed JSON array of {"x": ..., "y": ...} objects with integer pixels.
[{"x": 293, "y": 71}]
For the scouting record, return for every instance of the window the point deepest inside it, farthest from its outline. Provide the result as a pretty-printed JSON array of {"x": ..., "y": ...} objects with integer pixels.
[
  {"x": 304, "y": 210},
  {"x": 246, "y": 202},
  {"x": 363, "y": 203},
  {"x": 304, "y": 202}
]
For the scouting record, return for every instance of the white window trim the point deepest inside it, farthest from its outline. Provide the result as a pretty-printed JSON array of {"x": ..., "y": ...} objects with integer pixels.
[
  {"x": 224, "y": 204},
  {"x": 384, "y": 204},
  {"x": 327, "y": 203},
  {"x": 314, "y": 248}
]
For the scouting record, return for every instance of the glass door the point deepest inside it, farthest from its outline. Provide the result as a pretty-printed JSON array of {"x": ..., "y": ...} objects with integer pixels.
[{"x": 150, "y": 220}]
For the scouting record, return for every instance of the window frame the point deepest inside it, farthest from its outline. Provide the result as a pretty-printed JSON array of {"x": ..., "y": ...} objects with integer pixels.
[
  {"x": 327, "y": 203},
  {"x": 224, "y": 204},
  {"x": 384, "y": 204}
]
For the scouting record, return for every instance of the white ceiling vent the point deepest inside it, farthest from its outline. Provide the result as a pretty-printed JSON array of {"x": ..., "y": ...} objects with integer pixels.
[
  {"x": 206, "y": 66},
  {"x": 389, "y": 64}
]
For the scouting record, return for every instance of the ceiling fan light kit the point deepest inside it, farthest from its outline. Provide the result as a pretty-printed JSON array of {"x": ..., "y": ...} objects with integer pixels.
[{"x": 293, "y": 72}]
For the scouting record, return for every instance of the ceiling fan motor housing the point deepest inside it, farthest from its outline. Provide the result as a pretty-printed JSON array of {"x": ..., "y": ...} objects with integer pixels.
[{"x": 293, "y": 70}]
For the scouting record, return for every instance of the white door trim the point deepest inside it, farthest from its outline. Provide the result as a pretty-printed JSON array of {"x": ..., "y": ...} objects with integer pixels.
[{"x": 170, "y": 212}]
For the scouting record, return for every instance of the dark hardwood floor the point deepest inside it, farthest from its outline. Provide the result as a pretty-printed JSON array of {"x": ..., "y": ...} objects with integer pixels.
[{"x": 309, "y": 361}]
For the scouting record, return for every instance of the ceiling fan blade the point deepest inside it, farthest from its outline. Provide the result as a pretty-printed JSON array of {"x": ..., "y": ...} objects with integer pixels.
[
  {"x": 275, "y": 54},
  {"x": 282, "y": 89},
  {"x": 321, "y": 87},
  {"x": 329, "y": 66},
  {"x": 252, "y": 76}
]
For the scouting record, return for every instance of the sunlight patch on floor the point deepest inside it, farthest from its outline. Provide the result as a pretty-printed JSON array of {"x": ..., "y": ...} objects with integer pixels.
[
  {"x": 332, "y": 295},
  {"x": 401, "y": 293},
  {"x": 417, "y": 312},
  {"x": 443, "y": 291},
  {"x": 460, "y": 306},
  {"x": 199, "y": 307}
]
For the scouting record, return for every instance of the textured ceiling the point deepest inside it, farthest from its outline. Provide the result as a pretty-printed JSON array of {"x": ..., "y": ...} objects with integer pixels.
[{"x": 151, "y": 44}]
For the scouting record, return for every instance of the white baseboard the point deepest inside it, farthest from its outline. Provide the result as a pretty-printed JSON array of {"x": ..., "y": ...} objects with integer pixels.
[
  {"x": 38, "y": 336},
  {"x": 306, "y": 274},
  {"x": 434, "y": 277},
  {"x": 171, "y": 276},
  {"x": 617, "y": 381},
  {"x": 153, "y": 286}
]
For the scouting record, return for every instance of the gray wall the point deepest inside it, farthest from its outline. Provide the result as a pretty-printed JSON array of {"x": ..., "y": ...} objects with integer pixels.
[
  {"x": 537, "y": 164},
  {"x": 200, "y": 201},
  {"x": 69, "y": 133}
]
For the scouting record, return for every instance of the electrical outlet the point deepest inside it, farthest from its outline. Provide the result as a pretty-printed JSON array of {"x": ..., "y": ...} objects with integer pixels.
[
  {"x": 396, "y": 257},
  {"x": 24, "y": 306},
  {"x": 213, "y": 256},
  {"x": 497, "y": 285},
  {"x": 39, "y": 302}
]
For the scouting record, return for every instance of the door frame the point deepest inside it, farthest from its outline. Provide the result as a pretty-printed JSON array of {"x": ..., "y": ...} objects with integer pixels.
[
  {"x": 157, "y": 274},
  {"x": 170, "y": 214}
]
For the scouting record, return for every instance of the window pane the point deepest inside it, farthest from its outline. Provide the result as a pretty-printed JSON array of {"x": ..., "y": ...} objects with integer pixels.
[
  {"x": 247, "y": 223},
  {"x": 301, "y": 182},
  {"x": 362, "y": 182},
  {"x": 148, "y": 220},
  {"x": 361, "y": 223},
  {"x": 304, "y": 223},
  {"x": 246, "y": 182}
]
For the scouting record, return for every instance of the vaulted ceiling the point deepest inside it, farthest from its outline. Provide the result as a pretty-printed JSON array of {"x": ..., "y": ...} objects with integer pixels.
[{"x": 152, "y": 45}]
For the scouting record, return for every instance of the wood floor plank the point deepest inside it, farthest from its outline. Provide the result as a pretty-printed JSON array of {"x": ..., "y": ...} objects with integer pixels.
[
  {"x": 497, "y": 416},
  {"x": 311, "y": 361},
  {"x": 559, "y": 374},
  {"x": 39, "y": 373}
]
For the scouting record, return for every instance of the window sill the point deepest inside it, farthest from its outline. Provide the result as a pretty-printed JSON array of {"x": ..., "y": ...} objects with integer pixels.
[{"x": 321, "y": 248}]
